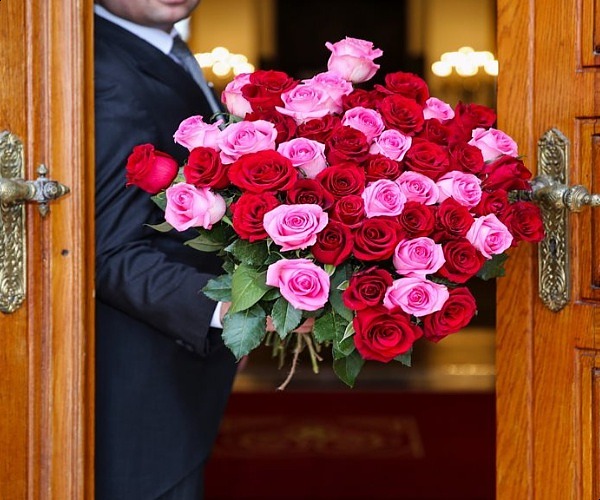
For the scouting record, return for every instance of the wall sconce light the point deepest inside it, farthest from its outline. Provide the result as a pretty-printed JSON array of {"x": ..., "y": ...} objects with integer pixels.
[
  {"x": 223, "y": 63},
  {"x": 466, "y": 62}
]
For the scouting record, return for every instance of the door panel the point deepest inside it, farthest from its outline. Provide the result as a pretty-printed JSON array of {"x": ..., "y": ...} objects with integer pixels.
[
  {"x": 46, "y": 346},
  {"x": 547, "y": 362}
]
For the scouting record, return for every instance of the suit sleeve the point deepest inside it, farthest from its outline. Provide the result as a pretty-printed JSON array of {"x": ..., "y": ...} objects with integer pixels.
[{"x": 133, "y": 273}]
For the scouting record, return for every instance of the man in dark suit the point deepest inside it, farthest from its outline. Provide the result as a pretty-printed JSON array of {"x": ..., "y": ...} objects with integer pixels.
[{"x": 163, "y": 374}]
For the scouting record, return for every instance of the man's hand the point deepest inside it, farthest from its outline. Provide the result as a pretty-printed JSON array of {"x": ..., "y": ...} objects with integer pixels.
[
  {"x": 224, "y": 308},
  {"x": 305, "y": 327}
]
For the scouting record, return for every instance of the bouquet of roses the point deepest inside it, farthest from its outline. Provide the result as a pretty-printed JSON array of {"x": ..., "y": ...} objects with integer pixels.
[{"x": 363, "y": 210}]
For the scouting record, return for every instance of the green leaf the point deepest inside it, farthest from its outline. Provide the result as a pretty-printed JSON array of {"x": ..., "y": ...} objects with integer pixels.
[
  {"x": 204, "y": 243},
  {"x": 253, "y": 254},
  {"x": 228, "y": 266},
  {"x": 341, "y": 274},
  {"x": 406, "y": 358},
  {"x": 285, "y": 317},
  {"x": 349, "y": 331},
  {"x": 494, "y": 267},
  {"x": 329, "y": 327},
  {"x": 343, "y": 347},
  {"x": 227, "y": 220},
  {"x": 348, "y": 368},
  {"x": 219, "y": 288},
  {"x": 272, "y": 294},
  {"x": 247, "y": 288},
  {"x": 335, "y": 298},
  {"x": 244, "y": 331},
  {"x": 343, "y": 285},
  {"x": 163, "y": 227},
  {"x": 211, "y": 240},
  {"x": 160, "y": 199}
]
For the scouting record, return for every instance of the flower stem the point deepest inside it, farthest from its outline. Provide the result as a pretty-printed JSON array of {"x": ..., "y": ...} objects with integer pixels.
[{"x": 297, "y": 351}]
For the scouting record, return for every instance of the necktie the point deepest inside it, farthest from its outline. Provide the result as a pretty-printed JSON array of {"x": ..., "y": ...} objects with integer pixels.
[{"x": 183, "y": 55}]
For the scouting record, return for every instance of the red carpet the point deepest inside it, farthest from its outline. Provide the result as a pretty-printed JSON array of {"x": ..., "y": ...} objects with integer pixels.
[{"x": 354, "y": 446}]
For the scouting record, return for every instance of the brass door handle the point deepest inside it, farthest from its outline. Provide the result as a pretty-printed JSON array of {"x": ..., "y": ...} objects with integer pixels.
[
  {"x": 14, "y": 192},
  {"x": 41, "y": 190},
  {"x": 548, "y": 193},
  {"x": 556, "y": 200}
]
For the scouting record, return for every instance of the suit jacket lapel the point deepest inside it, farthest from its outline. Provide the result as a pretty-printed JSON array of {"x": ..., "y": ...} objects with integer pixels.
[{"x": 150, "y": 60}]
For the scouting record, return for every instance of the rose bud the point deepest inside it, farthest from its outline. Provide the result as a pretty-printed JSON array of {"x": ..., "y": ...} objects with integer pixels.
[{"x": 150, "y": 169}]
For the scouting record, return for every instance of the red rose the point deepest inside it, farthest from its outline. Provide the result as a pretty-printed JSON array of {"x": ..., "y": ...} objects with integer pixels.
[
  {"x": 466, "y": 158},
  {"x": 360, "y": 97},
  {"x": 149, "y": 169},
  {"x": 506, "y": 173},
  {"x": 346, "y": 144},
  {"x": 334, "y": 244},
  {"x": 204, "y": 169},
  {"x": 382, "y": 335},
  {"x": 452, "y": 221},
  {"x": 495, "y": 202},
  {"x": 407, "y": 85},
  {"x": 248, "y": 212},
  {"x": 456, "y": 313},
  {"x": 524, "y": 221},
  {"x": 417, "y": 219},
  {"x": 319, "y": 129},
  {"x": 435, "y": 131},
  {"x": 401, "y": 113},
  {"x": 284, "y": 124},
  {"x": 342, "y": 179},
  {"x": 367, "y": 288},
  {"x": 468, "y": 117},
  {"x": 474, "y": 115},
  {"x": 379, "y": 167},
  {"x": 463, "y": 261},
  {"x": 376, "y": 238},
  {"x": 427, "y": 158},
  {"x": 349, "y": 210},
  {"x": 263, "y": 171},
  {"x": 265, "y": 88},
  {"x": 309, "y": 191}
]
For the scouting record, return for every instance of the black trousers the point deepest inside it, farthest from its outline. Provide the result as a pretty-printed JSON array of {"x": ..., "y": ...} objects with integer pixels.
[{"x": 191, "y": 487}]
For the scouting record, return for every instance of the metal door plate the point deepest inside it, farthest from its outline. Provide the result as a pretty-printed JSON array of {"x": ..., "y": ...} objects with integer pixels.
[
  {"x": 12, "y": 229},
  {"x": 553, "y": 255}
]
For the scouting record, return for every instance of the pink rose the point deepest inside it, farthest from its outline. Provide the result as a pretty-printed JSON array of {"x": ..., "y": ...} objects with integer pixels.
[
  {"x": 392, "y": 144},
  {"x": 462, "y": 187},
  {"x": 334, "y": 86},
  {"x": 189, "y": 206},
  {"x": 418, "y": 187},
  {"x": 352, "y": 59},
  {"x": 232, "y": 96},
  {"x": 436, "y": 108},
  {"x": 295, "y": 226},
  {"x": 416, "y": 296},
  {"x": 305, "y": 154},
  {"x": 418, "y": 257},
  {"x": 301, "y": 282},
  {"x": 488, "y": 235},
  {"x": 383, "y": 197},
  {"x": 493, "y": 143},
  {"x": 305, "y": 102},
  {"x": 194, "y": 133},
  {"x": 368, "y": 121},
  {"x": 246, "y": 137}
]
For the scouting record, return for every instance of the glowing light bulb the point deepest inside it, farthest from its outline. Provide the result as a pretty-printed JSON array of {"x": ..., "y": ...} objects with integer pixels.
[{"x": 441, "y": 68}]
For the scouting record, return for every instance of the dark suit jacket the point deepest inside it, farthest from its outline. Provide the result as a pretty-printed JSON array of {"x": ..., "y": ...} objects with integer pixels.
[{"x": 163, "y": 376}]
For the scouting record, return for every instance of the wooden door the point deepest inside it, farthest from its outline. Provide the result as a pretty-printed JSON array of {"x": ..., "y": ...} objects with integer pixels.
[
  {"x": 46, "y": 355},
  {"x": 548, "y": 363}
]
